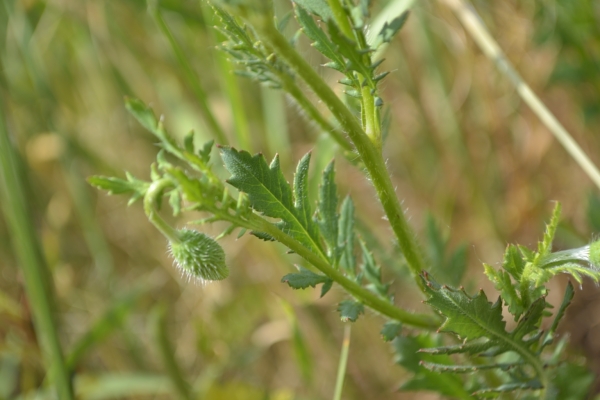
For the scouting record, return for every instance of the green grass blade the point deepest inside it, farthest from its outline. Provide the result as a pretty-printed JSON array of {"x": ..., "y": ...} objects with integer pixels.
[
  {"x": 190, "y": 76},
  {"x": 112, "y": 319},
  {"x": 341, "y": 373},
  {"x": 167, "y": 353},
  {"x": 31, "y": 260}
]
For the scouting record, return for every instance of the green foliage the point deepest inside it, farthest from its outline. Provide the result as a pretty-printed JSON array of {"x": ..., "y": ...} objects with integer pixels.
[
  {"x": 390, "y": 330},
  {"x": 350, "y": 310},
  {"x": 113, "y": 185},
  {"x": 244, "y": 48},
  {"x": 574, "y": 28},
  {"x": 199, "y": 256},
  {"x": 317, "y": 7},
  {"x": 450, "y": 267},
  {"x": 479, "y": 324},
  {"x": 409, "y": 355},
  {"x": 327, "y": 233},
  {"x": 304, "y": 279},
  {"x": 486, "y": 358},
  {"x": 389, "y": 30},
  {"x": 271, "y": 195}
]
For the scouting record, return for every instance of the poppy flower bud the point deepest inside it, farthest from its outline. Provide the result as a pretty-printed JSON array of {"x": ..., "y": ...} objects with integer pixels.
[{"x": 199, "y": 256}]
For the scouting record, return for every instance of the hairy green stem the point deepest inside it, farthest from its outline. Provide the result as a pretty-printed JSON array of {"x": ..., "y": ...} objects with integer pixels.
[
  {"x": 38, "y": 281},
  {"x": 341, "y": 18},
  {"x": 156, "y": 190},
  {"x": 314, "y": 115},
  {"x": 370, "y": 154},
  {"x": 367, "y": 297}
]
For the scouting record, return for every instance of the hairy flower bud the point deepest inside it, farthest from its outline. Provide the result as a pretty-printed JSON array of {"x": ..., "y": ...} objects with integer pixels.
[{"x": 199, "y": 256}]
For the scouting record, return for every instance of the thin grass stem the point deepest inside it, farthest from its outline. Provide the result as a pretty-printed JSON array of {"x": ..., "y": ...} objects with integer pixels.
[
  {"x": 33, "y": 265},
  {"x": 190, "y": 76},
  {"x": 475, "y": 27},
  {"x": 167, "y": 354},
  {"x": 341, "y": 372}
]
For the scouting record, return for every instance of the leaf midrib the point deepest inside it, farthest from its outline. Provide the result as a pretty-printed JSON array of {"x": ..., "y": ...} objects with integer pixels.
[{"x": 291, "y": 213}]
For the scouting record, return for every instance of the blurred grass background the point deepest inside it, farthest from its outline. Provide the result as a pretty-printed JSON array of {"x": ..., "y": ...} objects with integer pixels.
[{"x": 461, "y": 147}]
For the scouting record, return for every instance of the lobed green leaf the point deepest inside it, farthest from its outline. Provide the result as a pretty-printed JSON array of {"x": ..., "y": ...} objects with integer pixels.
[
  {"x": 389, "y": 30},
  {"x": 320, "y": 40},
  {"x": 328, "y": 217},
  {"x": 408, "y": 356},
  {"x": 356, "y": 60},
  {"x": 304, "y": 279},
  {"x": 545, "y": 246},
  {"x": 391, "y": 330},
  {"x": 350, "y": 310},
  {"x": 270, "y": 194},
  {"x": 567, "y": 298},
  {"x": 467, "y": 317},
  {"x": 317, "y": 7},
  {"x": 346, "y": 236}
]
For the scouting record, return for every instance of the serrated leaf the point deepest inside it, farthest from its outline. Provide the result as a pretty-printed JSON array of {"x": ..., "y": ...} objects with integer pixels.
[
  {"x": 112, "y": 185},
  {"x": 476, "y": 318},
  {"x": 389, "y": 30},
  {"x": 326, "y": 287},
  {"x": 346, "y": 236},
  {"x": 317, "y": 7},
  {"x": 510, "y": 387},
  {"x": 304, "y": 279},
  {"x": 175, "y": 202},
  {"x": 301, "y": 200},
  {"x": 567, "y": 298},
  {"x": 408, "y": 356},
  {"x": 372, "y": 272},
  {"x": 270, "y": 194},
  {"x": 462, "y": 369},
  {"x": 467, "y": 317},
  {"x": 356, "y": 61},
  {"x": 350, "y": 310},
  {"x": 192, "y": 189},
  {"x": 142, "y": 113},
  {"x": 204, "y": 153},
  {"x": 527, "y": 254},
  {"x": 545, "y": 246},
  {"x": 320, "y": 40},
  {"x": 513, "y": 262},
  {"x": 327, "y": 211},
  {"x": 231, "y": 28},
  {"x": 145, "y": 116},
  {"x": 464, "y": 348},
  {"x": 390, "y": 330},
  {"x": 188, "y": 142},
  {"x": 263, "y": 236},
  {"x": 360, "y": 13},
  {"x": 529, "y": 322},
  {"x": 502, "y": 282}
]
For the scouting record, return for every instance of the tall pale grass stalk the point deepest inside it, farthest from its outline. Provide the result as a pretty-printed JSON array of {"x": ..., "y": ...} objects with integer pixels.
[{"x": 475, "y": 27}]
